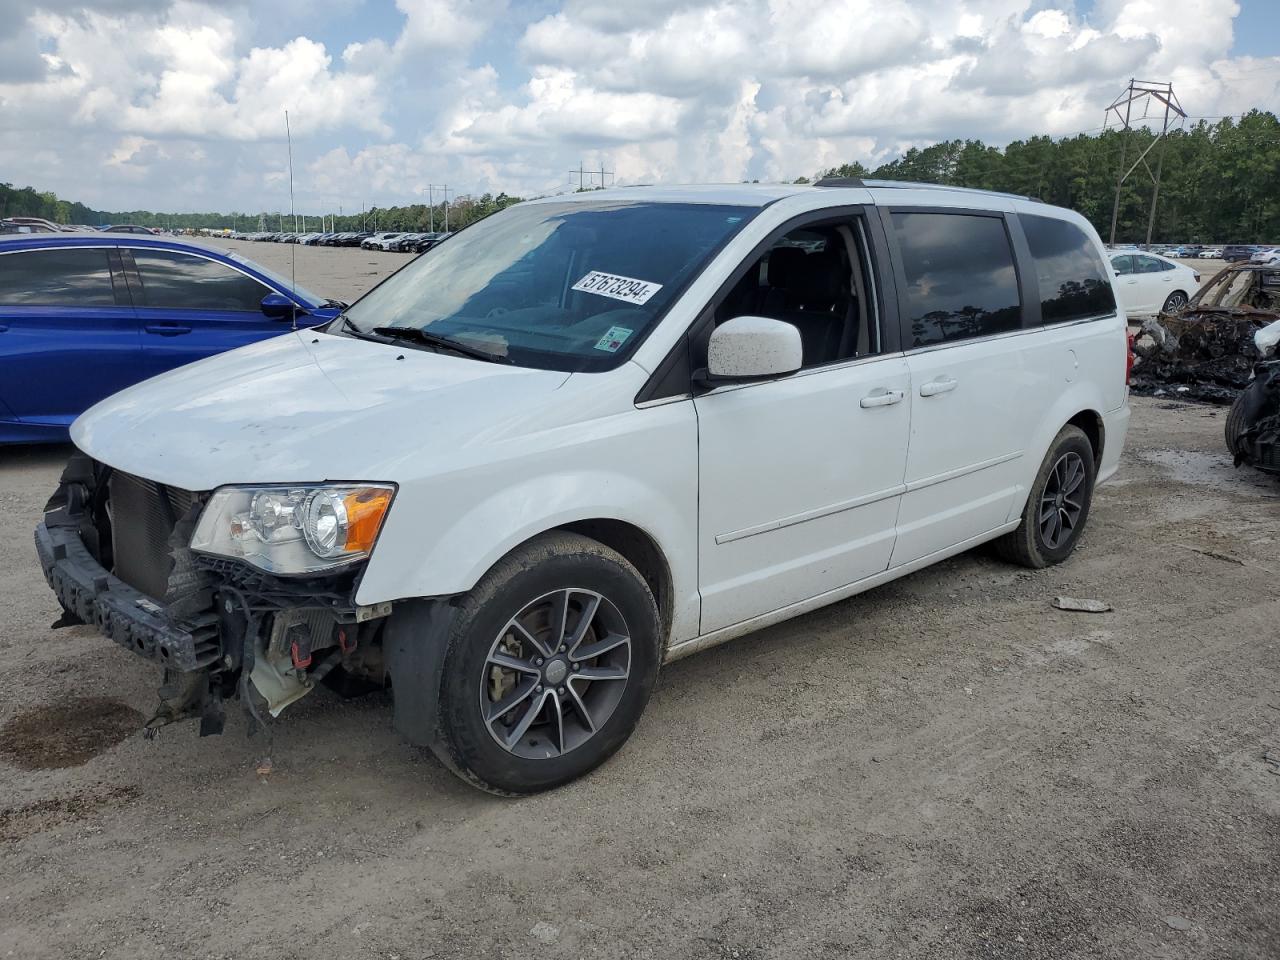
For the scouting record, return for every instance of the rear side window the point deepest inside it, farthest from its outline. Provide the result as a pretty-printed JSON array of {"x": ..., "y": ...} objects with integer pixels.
[
  {"x": 960, "y": 278},
  {"x": 182, "y": 281},
  {"x": 1073, "y": 279},
  {"x": 1123, "y": 265},
  {"x": 56, "y": 278},
  {"x": 1152, "y": 265}
]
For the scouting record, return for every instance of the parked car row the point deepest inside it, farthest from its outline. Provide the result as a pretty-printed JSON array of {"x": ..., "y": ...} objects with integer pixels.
[
  {"x": 41, "y": 225},
  {"x": 1230, "y": 252},
  {"x": 398, "y": 242}
]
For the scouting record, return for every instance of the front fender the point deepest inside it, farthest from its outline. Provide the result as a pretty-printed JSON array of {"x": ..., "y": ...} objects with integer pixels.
[{"x": 443, "y": 533}]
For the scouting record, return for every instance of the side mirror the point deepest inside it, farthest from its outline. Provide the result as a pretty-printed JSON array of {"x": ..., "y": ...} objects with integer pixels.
[
  {"x": 753, "y": 348},
  {"x": 276, "y": 306}
]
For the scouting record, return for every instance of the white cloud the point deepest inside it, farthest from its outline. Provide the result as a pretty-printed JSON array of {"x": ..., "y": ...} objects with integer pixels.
[{"x": 175, "y": 103}]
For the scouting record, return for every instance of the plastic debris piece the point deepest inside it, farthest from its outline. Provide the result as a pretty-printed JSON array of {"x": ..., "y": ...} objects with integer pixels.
[{"x": 1082, "y": 605}]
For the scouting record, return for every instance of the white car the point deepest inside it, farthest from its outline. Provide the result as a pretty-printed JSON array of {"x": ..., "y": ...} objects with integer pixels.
[
  {"x": 1147, "y": 283},
  {"x": 590, "y": 435},
  {"x": 379, "y": 241},
  {"x": 1267, "y": 255}
]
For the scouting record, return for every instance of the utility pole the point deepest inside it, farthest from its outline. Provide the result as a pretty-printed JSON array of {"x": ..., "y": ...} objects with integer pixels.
[
  {"x": 602, "y": 175},
  {"x": 1170, "y": 112},
  {"x": 431, "y": 187},
  {"x": 579, "y": 172}
]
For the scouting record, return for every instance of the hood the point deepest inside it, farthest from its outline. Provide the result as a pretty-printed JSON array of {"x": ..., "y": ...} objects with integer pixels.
[{"x": 307, "y": 407}]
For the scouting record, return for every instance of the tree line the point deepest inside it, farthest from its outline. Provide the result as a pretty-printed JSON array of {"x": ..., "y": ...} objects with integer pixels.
[
  {"x": 1220, "y": 183},
  {"x": 417, "y": 217}
]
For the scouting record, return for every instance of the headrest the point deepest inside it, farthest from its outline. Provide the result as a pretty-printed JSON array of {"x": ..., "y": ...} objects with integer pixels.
[
  {"x": 816, "y": 279},
  {"x": 781, "y": 262}
]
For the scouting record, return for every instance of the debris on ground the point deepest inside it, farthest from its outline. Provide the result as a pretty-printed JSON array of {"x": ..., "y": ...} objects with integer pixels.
[
  {"x": 1178, "y": 923},
  {"x": 1207, "y": 351},
  {"x": 1078, "y": 605}
]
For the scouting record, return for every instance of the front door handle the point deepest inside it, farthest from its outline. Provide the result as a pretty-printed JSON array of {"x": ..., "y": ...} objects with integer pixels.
[
  {"x": 881, "y": 398},
  {"x": 940, "y": 385},
  {"x": 167, "y": 329}
]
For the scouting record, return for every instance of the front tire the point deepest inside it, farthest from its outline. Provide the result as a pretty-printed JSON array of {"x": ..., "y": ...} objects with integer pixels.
[
  {"x": 1057, "y": 506},
  {"x": 550, "y": 662}
]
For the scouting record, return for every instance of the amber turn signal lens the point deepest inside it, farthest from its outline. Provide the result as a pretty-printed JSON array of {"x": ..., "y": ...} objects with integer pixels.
[{"x": 365, "y": 511}]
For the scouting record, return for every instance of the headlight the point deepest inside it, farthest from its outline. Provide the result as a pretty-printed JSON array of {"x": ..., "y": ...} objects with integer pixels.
[{"x": 292, "y": 530}]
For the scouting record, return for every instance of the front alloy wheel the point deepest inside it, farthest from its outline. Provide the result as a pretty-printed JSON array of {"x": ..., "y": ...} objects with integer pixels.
[
  {"x": 549, "y": 662},
  {"x": 555, "y": 673}
]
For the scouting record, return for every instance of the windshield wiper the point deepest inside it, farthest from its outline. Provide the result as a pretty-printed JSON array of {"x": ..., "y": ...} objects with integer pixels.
[
  {"x": 346, "y": 323},
  {"x": 335, "y": 303},
  {"x": 415, "y": 335}
]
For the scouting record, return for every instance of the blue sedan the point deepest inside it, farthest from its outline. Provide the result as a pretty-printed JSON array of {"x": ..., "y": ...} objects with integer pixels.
[{"x": 84, "y": 316}]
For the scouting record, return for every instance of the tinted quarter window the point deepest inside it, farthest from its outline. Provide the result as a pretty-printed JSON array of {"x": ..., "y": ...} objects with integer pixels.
[
  {"x": 171, "y": 279},
  {"x": 1123, "y": 265},
  {"x": 961, "y": 281},
  {"x": 1073, "y": 279},
  {"x": 56, "y": 278}
]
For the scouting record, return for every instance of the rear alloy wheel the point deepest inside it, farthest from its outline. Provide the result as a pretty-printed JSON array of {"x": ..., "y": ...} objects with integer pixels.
[
  {"x": 548, "y": 666},
  {"x": 1176, "y": 302},
  {"x": 1058, "y": 505}
]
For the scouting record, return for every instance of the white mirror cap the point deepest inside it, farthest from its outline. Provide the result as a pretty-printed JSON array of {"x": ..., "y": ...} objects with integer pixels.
[{"x": 747, "y": 347}]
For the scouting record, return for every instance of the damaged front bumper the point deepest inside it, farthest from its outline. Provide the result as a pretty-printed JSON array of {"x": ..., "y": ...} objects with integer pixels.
[
  {"x": 114, "y": 549},
  {"x": 127, "y": 616}
]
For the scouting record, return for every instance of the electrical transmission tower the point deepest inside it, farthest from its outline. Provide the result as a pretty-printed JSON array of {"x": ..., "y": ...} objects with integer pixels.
[
  {"x": 1168, "y": 111},
  {"x": 586, "y": 178}
]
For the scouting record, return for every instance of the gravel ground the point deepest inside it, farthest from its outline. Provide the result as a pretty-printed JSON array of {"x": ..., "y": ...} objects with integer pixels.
[{"x": 944, "y": 767}]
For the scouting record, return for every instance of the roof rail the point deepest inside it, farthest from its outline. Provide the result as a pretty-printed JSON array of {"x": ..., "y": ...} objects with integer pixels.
[{"x": 913, "y": 185}]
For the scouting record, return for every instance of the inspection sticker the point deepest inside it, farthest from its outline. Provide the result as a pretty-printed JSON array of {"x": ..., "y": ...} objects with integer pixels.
[
  {"x": 627, "y": 289},
  {"x": 613, "y": 338}
]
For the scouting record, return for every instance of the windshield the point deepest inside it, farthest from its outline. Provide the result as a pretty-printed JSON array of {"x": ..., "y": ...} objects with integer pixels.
[
  {"x": 561, "y": 286},
  {"x": 284, "y": 283}
]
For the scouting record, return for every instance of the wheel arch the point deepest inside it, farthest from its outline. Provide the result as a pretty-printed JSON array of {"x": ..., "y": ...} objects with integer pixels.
[
  {"x": 642, "y": 551},
  {"x": 1090, "y": 421}
]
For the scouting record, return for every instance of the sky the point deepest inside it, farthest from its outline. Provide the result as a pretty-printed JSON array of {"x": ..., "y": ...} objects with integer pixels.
[{"x": 179, "y": 105}]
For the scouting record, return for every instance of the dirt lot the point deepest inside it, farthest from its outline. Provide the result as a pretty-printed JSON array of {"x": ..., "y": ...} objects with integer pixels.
[{"x": 944, "y": 767}]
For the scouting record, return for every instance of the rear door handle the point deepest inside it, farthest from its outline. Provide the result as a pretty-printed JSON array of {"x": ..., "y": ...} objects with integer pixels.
[
  {"x": 881, "y": 398},
  {"x": 167, "y": 329},
  {"x": 940, "y": 385}
]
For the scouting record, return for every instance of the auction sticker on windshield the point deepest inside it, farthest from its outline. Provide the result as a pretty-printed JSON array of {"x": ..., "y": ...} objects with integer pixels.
[{"x": 627, "y": 289}]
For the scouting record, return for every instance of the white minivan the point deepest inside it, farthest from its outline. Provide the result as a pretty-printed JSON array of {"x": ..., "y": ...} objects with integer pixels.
[{"x": 589, "y": 435}]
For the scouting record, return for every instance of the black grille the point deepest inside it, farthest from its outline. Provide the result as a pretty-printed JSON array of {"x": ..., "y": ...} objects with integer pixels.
[{"x": 143, "y": 515}]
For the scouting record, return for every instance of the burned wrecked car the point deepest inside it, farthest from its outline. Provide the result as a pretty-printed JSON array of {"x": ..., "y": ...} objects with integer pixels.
[
  {"x": 1207, "y": 351},
  {"x": 1253, "y": 426}
]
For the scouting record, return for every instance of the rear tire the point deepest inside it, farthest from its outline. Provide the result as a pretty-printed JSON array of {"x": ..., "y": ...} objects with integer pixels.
[
  {"x": 530, "y": 697},
  {"x": 1235, "y": 428},
  {"x": 1057, "y": 506},
  {"x": 1176, "y": 301}
]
